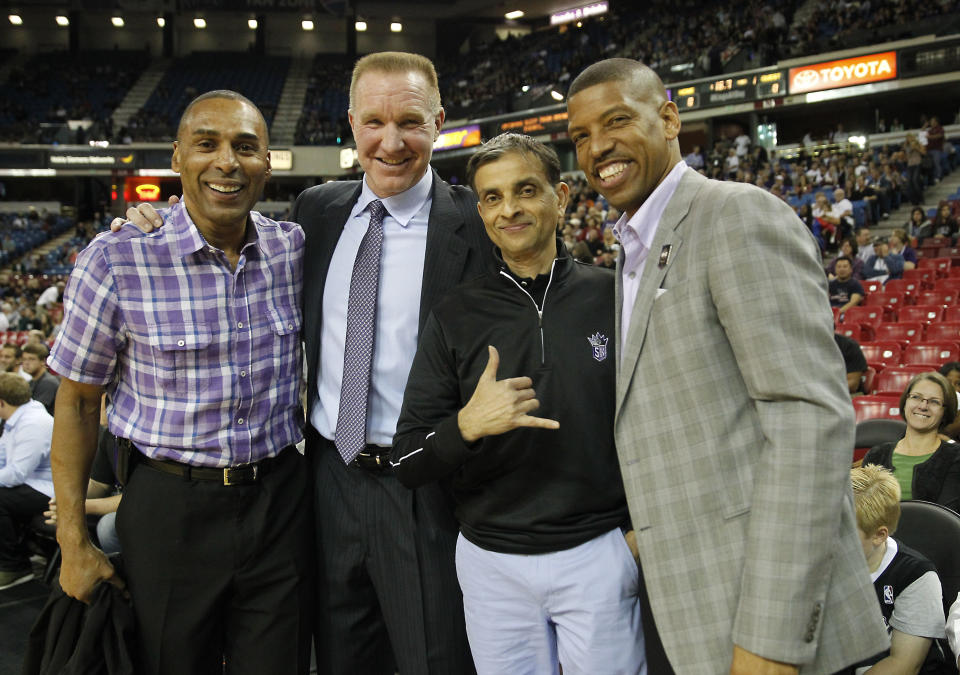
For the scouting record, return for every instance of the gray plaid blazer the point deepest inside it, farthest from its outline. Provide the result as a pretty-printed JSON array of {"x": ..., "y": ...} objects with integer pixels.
[{"x": 735, "y": 435}]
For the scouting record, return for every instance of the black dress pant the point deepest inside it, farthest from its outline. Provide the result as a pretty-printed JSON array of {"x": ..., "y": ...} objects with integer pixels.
[
  {"x": 18, "y": 506},
  {"x": 388, "y": 596},
  {"x": 220, "y": 574}
]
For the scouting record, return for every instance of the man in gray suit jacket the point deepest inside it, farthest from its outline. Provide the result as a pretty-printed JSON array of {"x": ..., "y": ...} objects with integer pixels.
[{"x": 733, "y": 425}]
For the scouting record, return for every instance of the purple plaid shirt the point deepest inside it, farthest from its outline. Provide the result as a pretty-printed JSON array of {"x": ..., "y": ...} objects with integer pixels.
[{"x": 202, "y": 364}]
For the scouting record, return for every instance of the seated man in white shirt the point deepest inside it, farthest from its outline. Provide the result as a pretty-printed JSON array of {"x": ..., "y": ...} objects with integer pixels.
[{"x": 26, "y": 483}]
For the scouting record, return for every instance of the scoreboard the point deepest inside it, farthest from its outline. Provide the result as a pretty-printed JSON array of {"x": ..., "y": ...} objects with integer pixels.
[{"x": 736, "y": 89}]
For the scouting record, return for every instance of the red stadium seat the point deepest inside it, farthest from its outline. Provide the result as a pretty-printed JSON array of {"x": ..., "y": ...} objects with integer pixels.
[
  {"x": 872, "y": 287},
  {"x": 900, "y": 332},
  {"x": 937, "y": 297},
  {"x": 893, "y": 380},
  {"x": 876, "y": 407},
  {"x": 944, "y": 331},
  {"x": 936, "y": 353},
  {"x": 886, "y": 353},
  {"x": 905, "y": 286},
  {"x": 860, "y": 332},
  {"x": 921, "y": 313},
  {"x": 948, "y": 252},
  {"x": 954, "y": 270},
  {"x": 925, "y": 277},
  {"x": 951, "y": 283},
  {"x": 869, "y": 315},
  {"x": 941, "y": 265},
  {"x": 892, "y": 301}
]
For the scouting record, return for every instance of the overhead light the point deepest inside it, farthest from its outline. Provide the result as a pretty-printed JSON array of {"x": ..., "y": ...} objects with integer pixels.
[
  {"x": 117, "y": 21},
  {"x": 62, "y": 20},
  {"x": 307, "y": 24},
  {"x": 525, "y": 88},
  {"x": 556, "y": 95},
  {"x": 396, "y": 27},
  {"x": 199, "y": 23},
  {"x": 515, "y": 14},
  {"x": 252, "y": 24},
  {"x": 15, "y": 19},
  {"x": 360, "y": 26},
  {"x": 161, "y": 21},
  {"x": 579, "y": 24}
]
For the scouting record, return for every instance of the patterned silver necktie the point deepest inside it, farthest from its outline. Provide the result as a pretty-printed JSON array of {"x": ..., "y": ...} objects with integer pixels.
[{"x": 358, "y": 348}]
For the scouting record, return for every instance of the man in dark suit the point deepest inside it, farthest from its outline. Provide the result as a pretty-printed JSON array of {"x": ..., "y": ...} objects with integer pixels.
[{"x": 386, "y": 574}]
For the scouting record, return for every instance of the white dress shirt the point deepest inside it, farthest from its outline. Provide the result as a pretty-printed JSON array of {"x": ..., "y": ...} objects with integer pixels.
[
  {"x": 636, "y": 235},
  {"x": 25, "y": 448},
  {"x": 398, "y": 309}
]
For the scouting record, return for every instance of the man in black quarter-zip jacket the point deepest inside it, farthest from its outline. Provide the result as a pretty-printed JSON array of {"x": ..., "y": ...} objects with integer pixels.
[{"x": 546, "y": 571}]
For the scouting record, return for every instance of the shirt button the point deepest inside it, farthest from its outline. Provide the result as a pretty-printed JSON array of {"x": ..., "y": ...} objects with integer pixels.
[
  {"x": 243, "y": 373},
  {"x": 240, "y": 324},
  {"x": 289, "y": 326},
  {"x": 212, "y": 249},
  {"x": 240, "y": 421},
  {"x": 180, "y": 343},
  {"x": 632, "y": 275}
]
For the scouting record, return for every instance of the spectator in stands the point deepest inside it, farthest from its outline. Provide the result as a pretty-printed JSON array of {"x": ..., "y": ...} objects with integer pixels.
[
  {"x": 951, "y": 371},
  {"x": 28, "y": 319},
  {"x": 854, "y": 362},
  {"x": 821, "y": 212},
  {"x": 10, "y": 355},
  {"x": 919, "y": 225},
  {"x": 915, "y": 153},
  {"x": 864, "y": 243},
  {"x": 883, "y": 264},
  {"x": 897, "y": 242},
  {"x": 953, "y": 629},
  {"x": 908, "y": 588},
  {"x": 849, "y": 249},
  {"x": 52, "y": 294},
  {"x": 695, "y": 158},
  {"x": 935, "y": 139},
  {"x": 841, "y": 213},
  {"x": 926, "y": 466},
  {"x": 845, "y": 291},
  {"x": 25, "y": 480},
  {"x": 44, "y": 384},
  {"x": 944, "y": 224},
  {"x": 862, "y": 191}
]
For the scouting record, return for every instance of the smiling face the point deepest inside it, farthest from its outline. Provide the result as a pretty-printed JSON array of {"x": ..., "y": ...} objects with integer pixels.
[
  {"x": 394, "y": 125},
  {"x": 625, "y": 133},
  {"x": 520, "y": 210},
  {"x": 924, "y": 415},
  {"x": 222, "y": 158}
]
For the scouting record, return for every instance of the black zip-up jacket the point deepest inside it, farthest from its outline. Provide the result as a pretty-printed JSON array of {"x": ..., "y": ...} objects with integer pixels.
[{"x": 528, "y": 490}]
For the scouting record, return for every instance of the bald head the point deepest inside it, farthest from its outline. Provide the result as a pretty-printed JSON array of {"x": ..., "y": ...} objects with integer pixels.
[{"x": 224, "y": 94}]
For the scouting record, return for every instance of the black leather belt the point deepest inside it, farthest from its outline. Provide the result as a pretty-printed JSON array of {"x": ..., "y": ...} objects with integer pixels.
[
  {"x": 242, "y": 474},
  {"x": 374, "y": 458}
]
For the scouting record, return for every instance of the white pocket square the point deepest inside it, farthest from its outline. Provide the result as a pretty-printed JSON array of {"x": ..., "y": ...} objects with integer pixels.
[{"x": 660, "y": 291}]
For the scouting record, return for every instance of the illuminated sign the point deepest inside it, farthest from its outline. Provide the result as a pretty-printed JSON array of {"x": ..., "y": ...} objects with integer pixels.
[
  {"x": 843, "y": 72},
  {"x": 147, "y": 192},
  {"x": 82, "y": 159},
  {"x": 281, "y": 160},
  {"x": 578, "y": 13},
  {"x": 460, "y": 137},
  {"x": 348, "y": 157},
  {"x": 687, "y": 98},
  {"x": 541, "y": 123}
]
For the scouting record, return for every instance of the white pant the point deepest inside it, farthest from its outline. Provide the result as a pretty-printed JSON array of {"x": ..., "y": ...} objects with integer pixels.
[{"x": 578, "y": 607}]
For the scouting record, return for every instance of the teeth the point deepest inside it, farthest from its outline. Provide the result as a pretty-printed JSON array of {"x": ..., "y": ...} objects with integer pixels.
[
  {"x": 224, "y": 188},
  {"x": 612, "y": 170},
  {"x": 392, "y": 162}
]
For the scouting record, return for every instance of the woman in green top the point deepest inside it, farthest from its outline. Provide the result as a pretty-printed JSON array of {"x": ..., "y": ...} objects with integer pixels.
[{"x": 926, "y": 464}]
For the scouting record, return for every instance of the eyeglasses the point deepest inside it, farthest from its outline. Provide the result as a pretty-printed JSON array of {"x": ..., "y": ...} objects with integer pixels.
[{"x": 932, "y": 402}]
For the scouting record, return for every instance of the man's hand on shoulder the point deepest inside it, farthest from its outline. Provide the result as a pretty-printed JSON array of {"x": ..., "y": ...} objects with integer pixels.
[
  {"x": 84, "y": 566},
  {"x": 143, "y": 216},
  {"x": 748, "y": 663},
  {"x": 498, "y": 406}
]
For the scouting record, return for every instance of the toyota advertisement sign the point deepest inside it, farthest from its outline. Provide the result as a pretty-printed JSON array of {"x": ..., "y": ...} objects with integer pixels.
[{"x": 843, "y": 72}]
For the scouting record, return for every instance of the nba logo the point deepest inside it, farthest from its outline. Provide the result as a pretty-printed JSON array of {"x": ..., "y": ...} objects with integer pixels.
[{"x": 888, "y": 595}]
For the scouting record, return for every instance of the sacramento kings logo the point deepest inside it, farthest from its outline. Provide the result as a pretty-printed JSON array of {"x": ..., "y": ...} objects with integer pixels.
[{"x": 599, "y": 343}]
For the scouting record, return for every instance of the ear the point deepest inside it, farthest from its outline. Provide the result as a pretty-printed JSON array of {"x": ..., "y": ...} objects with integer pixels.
[
  {"x": 438, "y": 121},
  {"x": 269, "y": 168},
  {"x": 563, "y": 195},
  {"x": 671, "y": 120},
  {"x": 175, "y": 159}
]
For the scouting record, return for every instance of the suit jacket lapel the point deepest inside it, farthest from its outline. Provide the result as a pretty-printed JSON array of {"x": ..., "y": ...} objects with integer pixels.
[
  {"x": 446, "y": 249},
  {"x": 667, "y": 234}
]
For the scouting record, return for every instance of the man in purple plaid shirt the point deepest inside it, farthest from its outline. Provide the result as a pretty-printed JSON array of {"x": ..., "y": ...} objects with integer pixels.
[{"x": 193, "y": 330}]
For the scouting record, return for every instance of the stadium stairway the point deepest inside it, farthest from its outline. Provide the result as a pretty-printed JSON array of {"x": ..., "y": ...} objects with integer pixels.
[
  {"x": 932, "y": 196},
  {"x": 140, "y": 92},
  {"x": 290, "y": 106}
]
